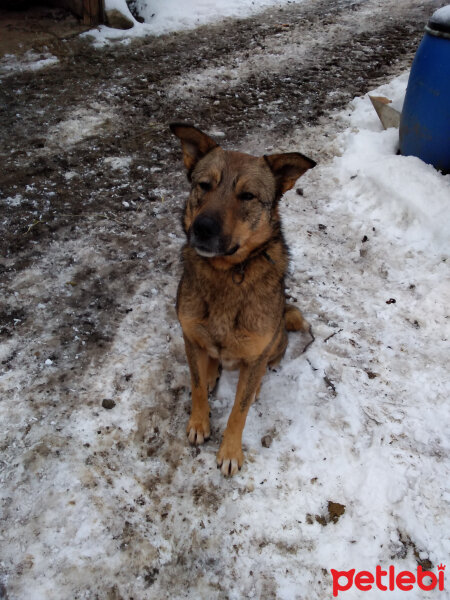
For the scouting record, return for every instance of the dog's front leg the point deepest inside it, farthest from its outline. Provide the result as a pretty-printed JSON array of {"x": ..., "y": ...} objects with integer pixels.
[
  {"x": 198, "y": 426},
  {"x": 230, "y": 456}
]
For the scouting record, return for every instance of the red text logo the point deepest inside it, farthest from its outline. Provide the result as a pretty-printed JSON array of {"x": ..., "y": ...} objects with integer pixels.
[{"x": 387, "y": 580}]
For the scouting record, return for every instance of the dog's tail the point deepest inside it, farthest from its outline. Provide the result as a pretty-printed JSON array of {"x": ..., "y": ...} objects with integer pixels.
[{"x": 294, "y": 320}]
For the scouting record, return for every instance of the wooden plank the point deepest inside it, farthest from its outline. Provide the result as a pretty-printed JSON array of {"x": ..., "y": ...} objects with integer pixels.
[{"x": 92, "y": 12}]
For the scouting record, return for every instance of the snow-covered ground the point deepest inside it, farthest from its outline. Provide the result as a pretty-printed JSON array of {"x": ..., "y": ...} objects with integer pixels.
[{"x": 360, "y": 419}]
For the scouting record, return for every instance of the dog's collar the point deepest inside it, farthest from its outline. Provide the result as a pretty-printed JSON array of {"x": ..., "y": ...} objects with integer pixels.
[{"x": 238, "y": 271}]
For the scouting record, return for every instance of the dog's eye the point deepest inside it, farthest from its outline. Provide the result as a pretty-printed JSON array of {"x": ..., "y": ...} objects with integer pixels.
[
  {"x": 246, "y": 196},
  {"x": 205, "y": 185}
]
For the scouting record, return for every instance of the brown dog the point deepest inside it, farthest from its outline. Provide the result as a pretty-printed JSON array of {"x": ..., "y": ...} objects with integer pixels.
[{"x": 231, "y": 302}]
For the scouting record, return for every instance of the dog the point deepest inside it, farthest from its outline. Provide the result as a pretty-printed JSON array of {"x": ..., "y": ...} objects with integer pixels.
[{"x": 231, "y": 300}]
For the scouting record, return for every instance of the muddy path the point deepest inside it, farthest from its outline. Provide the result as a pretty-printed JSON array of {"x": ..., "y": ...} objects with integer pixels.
[{"x": 283, "y": 69}]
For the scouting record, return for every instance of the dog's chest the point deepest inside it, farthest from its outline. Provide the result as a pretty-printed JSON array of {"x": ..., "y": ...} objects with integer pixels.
[
  {"x": 231, "y": 322},
  {"x": 229, "y": 332},
  {"x": 226, "y": 317}
]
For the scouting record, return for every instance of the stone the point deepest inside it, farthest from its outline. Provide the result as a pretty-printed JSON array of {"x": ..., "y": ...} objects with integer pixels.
[{"x": 116, "y": 19}]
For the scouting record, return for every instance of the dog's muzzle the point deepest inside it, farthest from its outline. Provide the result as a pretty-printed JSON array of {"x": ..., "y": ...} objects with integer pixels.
[{"x": 205, "y": 236}]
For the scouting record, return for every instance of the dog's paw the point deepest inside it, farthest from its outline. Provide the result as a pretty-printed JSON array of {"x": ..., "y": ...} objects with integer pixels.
[
  {"x": 230, "y": 457},
  {"x": 197, "y": 431}
]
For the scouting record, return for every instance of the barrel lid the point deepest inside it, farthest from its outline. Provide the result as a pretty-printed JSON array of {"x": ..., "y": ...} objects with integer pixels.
[{"x": 440, "y": 20}]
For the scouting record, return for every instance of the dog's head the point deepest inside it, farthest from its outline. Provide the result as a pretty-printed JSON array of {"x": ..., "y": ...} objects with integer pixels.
[{"x": 233, "y": 204}]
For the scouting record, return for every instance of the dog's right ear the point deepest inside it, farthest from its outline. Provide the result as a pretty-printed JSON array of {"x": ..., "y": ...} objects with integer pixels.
[
  {"x": 287, "y": 168},
  {"x": 195, "y": 144}
]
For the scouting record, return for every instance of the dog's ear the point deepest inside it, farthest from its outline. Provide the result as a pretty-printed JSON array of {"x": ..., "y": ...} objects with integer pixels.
[
  {"x": 195, "y": 144},
  {"x": 287, "y": 168}
]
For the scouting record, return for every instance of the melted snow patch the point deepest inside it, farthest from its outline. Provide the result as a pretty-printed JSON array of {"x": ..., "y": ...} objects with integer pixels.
[
  {"x": 13, "y": 200},
  {"x": 82, "y": 123},
  {"x": 30, "y": 61},
  {"x": 118, "y": 163},
  {"x": 290, "y": 47}
]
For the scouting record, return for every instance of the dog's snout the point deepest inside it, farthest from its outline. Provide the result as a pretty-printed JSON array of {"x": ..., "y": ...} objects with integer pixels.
[{"x": 206, "y": 227}]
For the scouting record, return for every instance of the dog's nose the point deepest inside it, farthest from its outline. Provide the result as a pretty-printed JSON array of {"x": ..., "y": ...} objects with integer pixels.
[{"x": 206, "y": 227}]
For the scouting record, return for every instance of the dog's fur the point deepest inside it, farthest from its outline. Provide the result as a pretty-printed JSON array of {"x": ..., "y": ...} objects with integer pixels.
[{"x": 231, "y": 302}]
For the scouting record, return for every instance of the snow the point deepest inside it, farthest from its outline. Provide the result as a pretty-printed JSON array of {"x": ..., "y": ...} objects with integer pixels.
[
  {"x": 171, "y": 15},
  {"x": 387, "y": 428},
  {"x": 81, "y": 123},
  {"x": 30, "y": 61},
  {"x": 165, "y": 16},
  {"x": 114, "y": 503},
  {"x": 395, "y": 199},
  {"x": 118, "y": 163},
  {"x": 442, "y": 15},
  {"x": 120, "y": 5},
  {"x": 13, "y": 200}
]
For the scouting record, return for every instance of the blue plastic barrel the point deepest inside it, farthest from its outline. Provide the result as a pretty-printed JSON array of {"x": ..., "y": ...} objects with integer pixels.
[{"x": 425, "y": 119}]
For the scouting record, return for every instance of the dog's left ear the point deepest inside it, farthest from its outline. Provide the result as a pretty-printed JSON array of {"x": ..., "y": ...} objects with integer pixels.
[
  {"x": 195, "y": 144},
  {"x": 287, "y": 168}
]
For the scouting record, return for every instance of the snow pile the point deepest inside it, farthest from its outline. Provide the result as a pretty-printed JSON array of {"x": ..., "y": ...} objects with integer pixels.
[
  {"x": 403, "y": 194},
  {"x": 172, "y": 15},
  {"x": 372, "y": 270},
  {"x": 121, "y": 6},
  {"x": 165, "y": 16}
]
